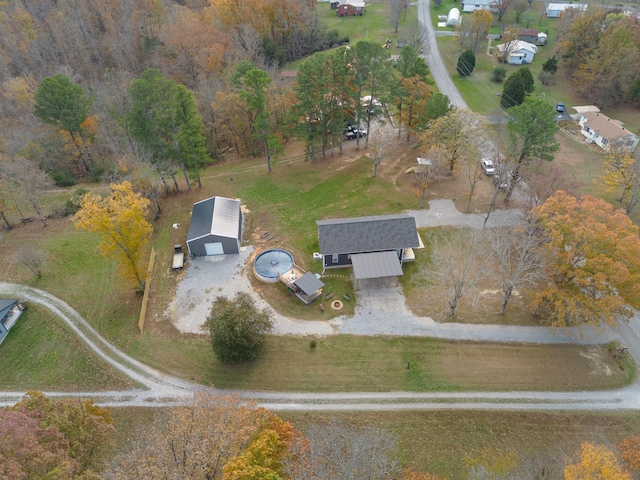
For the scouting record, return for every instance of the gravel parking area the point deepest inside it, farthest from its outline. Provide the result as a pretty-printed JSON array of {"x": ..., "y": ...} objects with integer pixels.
[{"x": 380, "y": 311}]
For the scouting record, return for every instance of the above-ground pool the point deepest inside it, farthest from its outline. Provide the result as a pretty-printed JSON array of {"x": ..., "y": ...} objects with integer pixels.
[{"x": 271, "y": 263}]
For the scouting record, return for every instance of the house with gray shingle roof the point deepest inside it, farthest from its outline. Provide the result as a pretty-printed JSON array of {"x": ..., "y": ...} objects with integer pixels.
[
  {"x": 215, "y": 227},
  {"x": 374, "y": 246}
]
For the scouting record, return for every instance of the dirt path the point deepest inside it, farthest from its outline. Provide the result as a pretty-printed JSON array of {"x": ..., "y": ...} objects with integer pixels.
[{"x": 159, "y": 389}]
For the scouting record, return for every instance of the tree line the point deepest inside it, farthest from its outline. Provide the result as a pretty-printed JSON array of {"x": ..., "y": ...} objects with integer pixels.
[{"x": 600, "y": 51}]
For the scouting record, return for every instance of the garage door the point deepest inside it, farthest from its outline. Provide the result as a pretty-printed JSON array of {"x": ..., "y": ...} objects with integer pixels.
[{"x": 213, "y": 248}]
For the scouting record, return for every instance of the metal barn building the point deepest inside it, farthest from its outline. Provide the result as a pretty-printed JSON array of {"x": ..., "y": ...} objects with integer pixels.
[{"x": 215, "y": 228}]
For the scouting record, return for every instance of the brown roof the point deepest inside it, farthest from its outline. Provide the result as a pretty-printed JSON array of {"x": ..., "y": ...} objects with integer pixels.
[
  {"x": 528, "y": 31},
  {"x": 605, "y": 126}
]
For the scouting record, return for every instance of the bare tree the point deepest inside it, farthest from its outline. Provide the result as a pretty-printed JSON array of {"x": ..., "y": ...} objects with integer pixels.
[
  {"x": 501, "y": 6},
  {"x": 458, "y": 260},
  {"x": 31, "y": 182},
  {"x": 339, "y": 452},
  {"x": 504, "y": 168},
  {"x": 383, "y": 142},
  {"x": 541, "y": 179},
  {"x": 418, "y": 38},
  {"x": 519, "y": 7},
  {"x": 520, "y": 261},
  {"x": 394, "y": 10},
  {"x": 32, "y": 259},
  {"x": 509, "y": 44},
  {"x": 428, "y": 170},
  {"x": 473, "y": 31}
]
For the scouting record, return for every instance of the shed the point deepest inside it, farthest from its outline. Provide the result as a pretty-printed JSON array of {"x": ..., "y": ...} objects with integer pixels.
[
  {"x": 215, "y": 228},
  {"x": 453, "y": 18},
  {"x": 308, "y": 287},
  {"x": 528, "y": 35}
]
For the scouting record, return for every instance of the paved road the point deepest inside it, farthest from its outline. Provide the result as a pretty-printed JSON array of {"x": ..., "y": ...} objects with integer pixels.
[{"x": 434, "y": 59}]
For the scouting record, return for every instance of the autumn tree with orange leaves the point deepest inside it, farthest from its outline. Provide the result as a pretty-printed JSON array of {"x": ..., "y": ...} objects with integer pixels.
[
  {"x": 121, "y": 221},
  {"x": 596, "y": 462},
  {"x": 593, "y": 262},
  {"x": 209, "y": 436}
]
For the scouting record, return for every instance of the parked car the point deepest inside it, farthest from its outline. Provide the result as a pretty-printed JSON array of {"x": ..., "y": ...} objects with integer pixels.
[
  {"x": 560, "y": 107},
  {"x": 353, "y": 132},
  {"x": 488, "y": 166}
]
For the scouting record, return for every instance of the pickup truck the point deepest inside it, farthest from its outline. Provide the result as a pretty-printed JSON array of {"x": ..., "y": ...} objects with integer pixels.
[{"x": 178, "y": 257}]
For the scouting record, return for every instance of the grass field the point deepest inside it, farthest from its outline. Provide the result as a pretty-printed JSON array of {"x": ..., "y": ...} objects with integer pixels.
[
  {"x": 350, "y": 363},
  {"x": 42, "y": 353}
]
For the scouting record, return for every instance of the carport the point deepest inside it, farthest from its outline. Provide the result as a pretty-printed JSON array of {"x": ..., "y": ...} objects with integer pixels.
[{"x": 376, "y": 265}]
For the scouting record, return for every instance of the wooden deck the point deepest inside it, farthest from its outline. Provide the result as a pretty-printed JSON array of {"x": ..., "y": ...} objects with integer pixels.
[{"x": 291, "y": 276}]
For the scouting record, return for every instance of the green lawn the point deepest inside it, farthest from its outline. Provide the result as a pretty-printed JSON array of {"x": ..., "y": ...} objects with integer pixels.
[
  {"x": 350, "y": 363},
  {"x": 41, "y": 353}
]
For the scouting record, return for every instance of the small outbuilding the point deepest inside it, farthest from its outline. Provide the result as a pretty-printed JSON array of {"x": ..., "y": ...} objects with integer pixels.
[
  {"x": 215, "y": 228},
  {"x": 453, "y": 18}
]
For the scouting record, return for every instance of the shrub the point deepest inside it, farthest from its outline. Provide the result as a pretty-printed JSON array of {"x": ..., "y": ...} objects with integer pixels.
[
  {"x": 546, "y": 78},
  {"x": 498, "y": 74},
  {"x": 63, "y": 178},
  {"x": 237, "y": 328}
]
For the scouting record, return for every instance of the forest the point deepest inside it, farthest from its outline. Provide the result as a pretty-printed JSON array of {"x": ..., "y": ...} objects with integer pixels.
[{"x": 90, "y": 57}]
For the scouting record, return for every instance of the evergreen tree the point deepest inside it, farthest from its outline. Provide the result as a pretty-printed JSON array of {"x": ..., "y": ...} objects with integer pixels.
[
  {"x": 551, "y": 65},
  {"x": 513, "y": 92},
  {"x": 466, "y": 63}
]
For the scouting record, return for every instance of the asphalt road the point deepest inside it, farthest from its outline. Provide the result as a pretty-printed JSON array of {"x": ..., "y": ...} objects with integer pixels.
[{"x": 434, "y": 59}]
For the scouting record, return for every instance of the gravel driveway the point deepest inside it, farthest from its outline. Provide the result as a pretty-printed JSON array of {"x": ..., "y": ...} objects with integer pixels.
[{"x": 380, "y": 311}]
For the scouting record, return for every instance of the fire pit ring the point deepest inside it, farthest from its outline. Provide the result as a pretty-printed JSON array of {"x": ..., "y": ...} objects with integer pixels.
[{"x": 336, "y": 305}]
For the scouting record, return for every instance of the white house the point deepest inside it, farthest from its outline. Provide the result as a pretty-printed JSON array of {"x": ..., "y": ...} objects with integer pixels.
[
  {"x": 554, "y": 10},
  {"x": 605, "y": 131},
  {"x": 519, "y": 52},
  {"x": 471, "y": 5}
]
